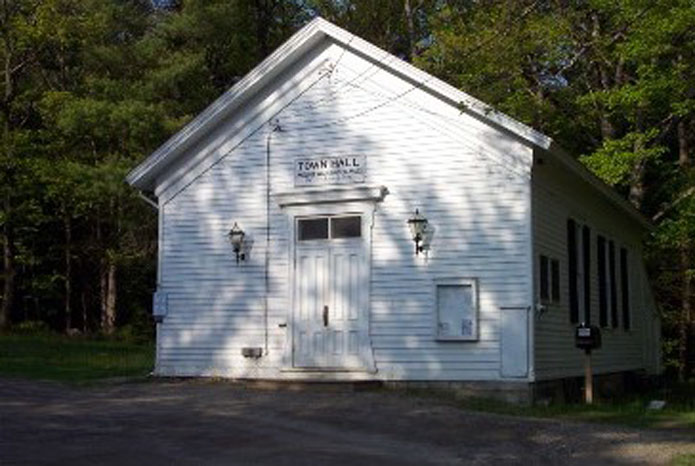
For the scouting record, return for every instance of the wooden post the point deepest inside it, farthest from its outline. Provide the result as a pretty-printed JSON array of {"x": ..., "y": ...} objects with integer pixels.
[{"x": 588, "y": 379}]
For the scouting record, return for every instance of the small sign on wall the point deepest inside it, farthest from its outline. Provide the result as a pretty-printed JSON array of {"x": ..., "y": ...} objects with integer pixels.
[{"x": 347, "y": 169}]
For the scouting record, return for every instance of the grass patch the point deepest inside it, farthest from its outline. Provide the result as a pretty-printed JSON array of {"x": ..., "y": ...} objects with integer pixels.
[
  {"x": 679, "y": 413},
  {"x": 72, "y": 359},
  {"x": 631, "y": 412},
  {"x": 683, "y": 460}
]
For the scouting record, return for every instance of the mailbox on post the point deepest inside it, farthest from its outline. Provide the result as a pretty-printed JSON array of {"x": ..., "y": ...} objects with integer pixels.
[{"x": 587, "y": 337}]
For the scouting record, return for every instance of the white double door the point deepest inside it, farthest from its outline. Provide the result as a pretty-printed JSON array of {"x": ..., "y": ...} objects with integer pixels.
[{"x": 331, "y": 287}]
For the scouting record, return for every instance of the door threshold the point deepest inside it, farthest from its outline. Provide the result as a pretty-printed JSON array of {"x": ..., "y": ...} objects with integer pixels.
[{"x": 364, "y": 370}]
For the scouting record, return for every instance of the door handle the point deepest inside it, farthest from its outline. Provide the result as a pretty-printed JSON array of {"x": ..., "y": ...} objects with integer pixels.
[{"x": 325, "y": 316}]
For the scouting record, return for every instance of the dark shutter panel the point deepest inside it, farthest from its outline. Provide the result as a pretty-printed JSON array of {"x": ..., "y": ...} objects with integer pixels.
[
  {"x": 586, "y": 243},
  {"x": 613, "y": 284},
  {"x": 544, "y": 278},
  {"x": 555, "y": 282},
  {"x": 602, "y": 288},
  {"x": 572, "y": 269},
  {"x": 625, "y": 288}
]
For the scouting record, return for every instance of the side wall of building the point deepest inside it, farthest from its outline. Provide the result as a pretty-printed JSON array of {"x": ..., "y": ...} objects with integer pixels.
[
  {"x": 559, "y": 195},
  {"x": 470, "y": 180}
]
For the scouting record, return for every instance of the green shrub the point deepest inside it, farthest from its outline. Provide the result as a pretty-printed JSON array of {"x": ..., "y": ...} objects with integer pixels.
[
  {"x": 133, "y": 333},
  {"x": 32, "y": 327}
]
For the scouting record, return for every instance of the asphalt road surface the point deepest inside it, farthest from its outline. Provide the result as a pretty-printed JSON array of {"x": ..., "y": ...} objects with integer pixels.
[{"x": 200, "y": 422}]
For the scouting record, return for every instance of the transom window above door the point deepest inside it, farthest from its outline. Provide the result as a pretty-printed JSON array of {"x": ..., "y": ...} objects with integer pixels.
[{"x": 322, "y": 228}]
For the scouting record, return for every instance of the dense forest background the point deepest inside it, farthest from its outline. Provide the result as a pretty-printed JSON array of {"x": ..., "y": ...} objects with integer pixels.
[{"x": 90, "y": 87}]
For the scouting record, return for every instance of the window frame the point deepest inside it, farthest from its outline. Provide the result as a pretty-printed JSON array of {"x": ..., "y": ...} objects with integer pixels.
[
  {"x": 579, "y": 268},
  {"x": 613, "y": 285},
  {"x": 552, "y": 275},
  {"x": 555, "y": 288},
  {"x": 625, "y": 288},
  {"x": 603, "y": 279},
  {"x": 544, "y": 273},
  {"x": 329, "y": 227},
  {"x": 573, "y": 281}
]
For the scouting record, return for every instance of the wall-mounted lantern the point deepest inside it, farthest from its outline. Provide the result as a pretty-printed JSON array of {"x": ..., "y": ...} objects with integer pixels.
[
  {"x": 236, "y": 238},
  {"x": 418, "y": 227}
]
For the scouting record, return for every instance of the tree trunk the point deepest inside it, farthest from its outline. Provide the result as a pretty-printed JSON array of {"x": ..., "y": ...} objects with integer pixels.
[
  {"x": 607, "y": 128},
  {"x": 685, "y": 320},
  {"x": 410, "y": 23},
  {"x": 683, "y": 146},
  {"x": 108, "y": 294},
  {"x": 103, "y": 291},
  {"x": 84, "y": 310},
  {"x": 264, "y": 13},
  {"x": 8, "y": 267},
  {"x": 7, "y": 233},
  {"x": 68, "y": 273},
  {"x": 686, "y": 313},
  {"x": 636, "y": 195}
]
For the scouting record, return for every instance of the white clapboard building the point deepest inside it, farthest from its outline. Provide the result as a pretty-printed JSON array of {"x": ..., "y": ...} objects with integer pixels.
[{"x": 340, "y": 215}]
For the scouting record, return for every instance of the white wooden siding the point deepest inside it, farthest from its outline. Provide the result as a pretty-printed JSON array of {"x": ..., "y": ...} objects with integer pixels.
[
  {"x": 557, "y": 196},
  {"x": 471, "y": 181}
]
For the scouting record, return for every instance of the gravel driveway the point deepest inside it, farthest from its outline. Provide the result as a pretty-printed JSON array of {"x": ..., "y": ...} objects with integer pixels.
[{"x": 209, "y": 423}]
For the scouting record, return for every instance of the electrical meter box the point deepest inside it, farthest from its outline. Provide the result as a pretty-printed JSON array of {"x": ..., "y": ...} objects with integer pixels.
[{"x": 587, "y": 337}]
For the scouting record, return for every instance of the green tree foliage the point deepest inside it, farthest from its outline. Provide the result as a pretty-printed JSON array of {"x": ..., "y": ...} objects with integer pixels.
[
  {"x": 398, "y": 26},
  {"x": 90, "y": 88}
]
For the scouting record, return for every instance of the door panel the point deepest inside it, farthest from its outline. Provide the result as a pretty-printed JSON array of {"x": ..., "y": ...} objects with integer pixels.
[{"x": 312, "y": 292}]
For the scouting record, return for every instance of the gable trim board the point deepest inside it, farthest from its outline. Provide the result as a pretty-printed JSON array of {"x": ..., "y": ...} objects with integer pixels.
[{"x": 473, "y": 174}]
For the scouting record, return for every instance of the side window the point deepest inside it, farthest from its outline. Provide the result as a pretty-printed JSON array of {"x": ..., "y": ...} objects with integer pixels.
[
  {"x": 555, "y": 280},
  {"x": 613, "y": 284},
  {"x": 625, "y": 287},
  {"x": 457, "y": 309},
  {"x": 607, "y": 285},
  {"x": 572, "y": 270},
  {"x": 549, "y": 279},
  {"x": 579, "y": 270},
  {"x": 544, "y": 278},
  {"x": 602, "y": 280},
  {"x": 586, "y": 244}
]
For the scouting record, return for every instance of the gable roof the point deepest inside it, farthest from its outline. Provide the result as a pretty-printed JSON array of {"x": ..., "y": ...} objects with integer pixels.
[{"x": 144, "y": 176}]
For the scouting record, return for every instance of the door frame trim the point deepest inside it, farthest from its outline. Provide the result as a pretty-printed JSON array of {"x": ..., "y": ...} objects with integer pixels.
[
  {"x": 331, "y": 195},
  {"x": 329, "y": 205}
]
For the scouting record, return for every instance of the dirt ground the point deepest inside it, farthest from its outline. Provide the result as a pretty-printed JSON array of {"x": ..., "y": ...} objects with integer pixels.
[{"x": 210, "y": 423}]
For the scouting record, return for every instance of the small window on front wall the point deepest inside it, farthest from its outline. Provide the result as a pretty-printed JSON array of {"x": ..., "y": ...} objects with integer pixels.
[
  {"x": 549, "y": 279},
  {"x": 323, "y": 228},
  {"x": 456, "y": 309}
]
